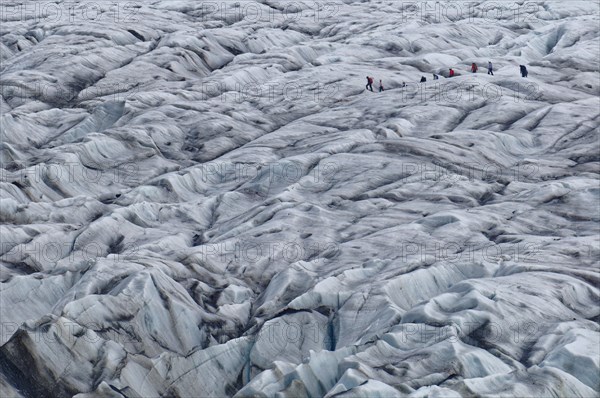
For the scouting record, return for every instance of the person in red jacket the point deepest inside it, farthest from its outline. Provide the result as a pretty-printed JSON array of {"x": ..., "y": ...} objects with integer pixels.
[
  {"x": 474, "y": 67},
  {"x": 451, "y": 73}
]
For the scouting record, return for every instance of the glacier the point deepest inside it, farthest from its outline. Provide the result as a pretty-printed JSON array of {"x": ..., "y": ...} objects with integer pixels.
[{"x": 200, "y": 199}]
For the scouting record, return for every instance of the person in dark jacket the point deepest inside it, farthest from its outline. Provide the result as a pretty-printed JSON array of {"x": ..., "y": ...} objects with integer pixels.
[
  {"x": 423, "y": 79},
  {"x": 524, "y": 72},
  {"x": 369, "y": 83},
  {"x": 490, "y": 68},
  {"x": 380, "y": 86},
  {"x": 436, "y": 77}
]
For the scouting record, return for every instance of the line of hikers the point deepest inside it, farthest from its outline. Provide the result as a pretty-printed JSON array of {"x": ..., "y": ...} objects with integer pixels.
[{"x": 451, "y": 73}]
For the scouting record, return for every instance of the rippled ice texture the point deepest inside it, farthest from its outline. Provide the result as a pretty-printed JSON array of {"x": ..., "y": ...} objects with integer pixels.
[{"x": 202, "y": 199}]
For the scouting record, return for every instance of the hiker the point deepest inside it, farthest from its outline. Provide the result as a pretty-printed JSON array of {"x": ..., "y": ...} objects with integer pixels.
[
  {"x": 524, "y": 72},
  {"x": 380, "y": 86},
  {"x": 369, "y": 83},
  {"x": 490, "y": 68},
  {"x": 436, "y": 77},
  {"x": 451, "y": 73},
  {"x": 423, "y": 79},
  {"x": 403, "y": 84},
  {"x": 474, "y": 67}
]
